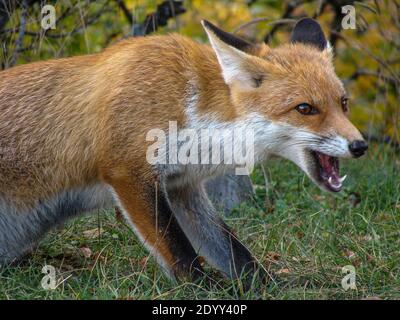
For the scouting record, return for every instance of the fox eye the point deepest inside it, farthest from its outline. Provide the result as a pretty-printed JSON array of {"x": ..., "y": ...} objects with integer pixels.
[
  {"x": 307, "y": 109},
  {"x": 345, "y": 104}
]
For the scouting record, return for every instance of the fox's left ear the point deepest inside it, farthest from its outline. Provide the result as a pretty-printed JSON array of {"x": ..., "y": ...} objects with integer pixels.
[
  {"x": 309, "y": 31},
  {"x": 233, "y": 56}
]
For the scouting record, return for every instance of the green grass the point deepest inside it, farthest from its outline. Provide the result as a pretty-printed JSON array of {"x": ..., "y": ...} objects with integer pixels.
[{"x": 304, "y": 237}]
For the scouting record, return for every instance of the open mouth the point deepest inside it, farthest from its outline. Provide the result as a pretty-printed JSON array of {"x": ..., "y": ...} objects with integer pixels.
[{"x": 328, "y": 171}]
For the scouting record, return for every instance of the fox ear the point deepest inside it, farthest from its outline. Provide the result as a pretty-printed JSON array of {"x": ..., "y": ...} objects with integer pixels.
[
  {"x": 226, "y": 37},
  {"x": 309, "y": 31},
  {"x": 232, "y": 57}
]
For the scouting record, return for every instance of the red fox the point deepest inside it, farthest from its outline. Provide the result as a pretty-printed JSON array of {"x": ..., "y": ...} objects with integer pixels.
[{"x": 73, "y": 136}]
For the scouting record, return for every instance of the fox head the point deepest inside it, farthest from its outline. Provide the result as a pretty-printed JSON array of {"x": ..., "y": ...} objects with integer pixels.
[{"x": 295, "y": 91}]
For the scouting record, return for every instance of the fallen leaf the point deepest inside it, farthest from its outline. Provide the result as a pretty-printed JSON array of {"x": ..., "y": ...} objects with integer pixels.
[
  {"x": 93, "y": 233},
  {"x": 370, "y": 258},
  {"x": 355, "y": 261},
  {"x": 299, "y": 235},
  {"x": 87, "y": 253},
  {"x": 201, "y": 260},
  {"x": 118, "y": 215},
  {"x": 273, "y": 256},
  {"x": 283, "y": 271},
  {"x": 143, "y": 262},
  {"x": 350, "y": 254}
]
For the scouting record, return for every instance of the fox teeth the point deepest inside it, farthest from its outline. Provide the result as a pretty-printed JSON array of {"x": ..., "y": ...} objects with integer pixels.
[
  {"x": 334, "y": 184},
  {"x": 343, "y": 178}
]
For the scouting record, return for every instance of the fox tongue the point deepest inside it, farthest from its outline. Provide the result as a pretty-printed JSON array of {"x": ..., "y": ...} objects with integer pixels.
[{"x": 330, "y": 170}]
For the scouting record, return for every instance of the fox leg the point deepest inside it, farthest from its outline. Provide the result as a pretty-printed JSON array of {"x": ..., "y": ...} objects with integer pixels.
[
  {"x": 152, "y": 220},
  {"x": 209, "y": 234},
  {"x": 21, "y": 229}
]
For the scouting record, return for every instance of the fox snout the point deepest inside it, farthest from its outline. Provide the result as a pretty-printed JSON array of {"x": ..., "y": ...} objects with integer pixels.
[
  {"x": 356, "y": 145},
  {"x": 348, "y": 136}
]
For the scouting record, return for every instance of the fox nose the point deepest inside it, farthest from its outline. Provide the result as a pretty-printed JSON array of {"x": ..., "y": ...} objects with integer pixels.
[{"x": 358, "y": 148}]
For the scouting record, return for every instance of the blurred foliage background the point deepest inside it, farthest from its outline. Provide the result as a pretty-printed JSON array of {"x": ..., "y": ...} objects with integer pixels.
[{"x": 367, "y": 57}]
